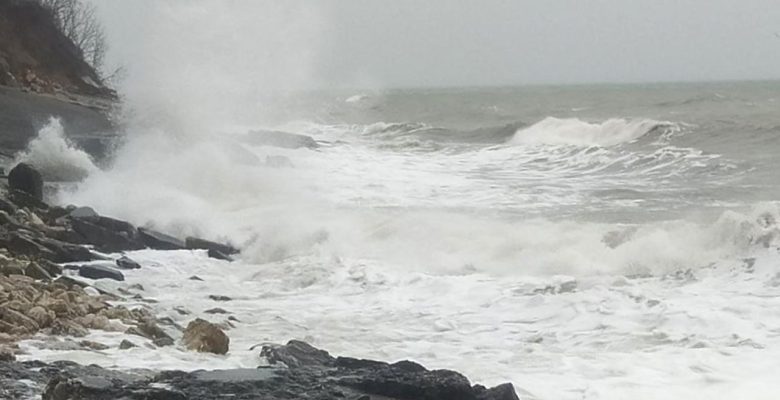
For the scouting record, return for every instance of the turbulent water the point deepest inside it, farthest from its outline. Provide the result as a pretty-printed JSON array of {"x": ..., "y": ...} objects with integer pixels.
[{"x": 583, "y": 242}]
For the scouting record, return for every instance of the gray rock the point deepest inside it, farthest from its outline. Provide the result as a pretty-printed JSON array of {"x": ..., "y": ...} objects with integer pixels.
[
  {"x": 82, "y": 212},
  {"x": 25, "y": 178},
  {"x": 159, "y": 241},
  {"x": 315, "y": 378},
  {"x": 194, "y": 243},
  {"x": 107, "y": 234},
  {"x": 125, "y": 262},
  {"x": 96, "y": 271}
]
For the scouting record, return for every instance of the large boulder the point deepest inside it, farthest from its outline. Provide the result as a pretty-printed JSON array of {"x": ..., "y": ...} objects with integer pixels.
[
  {"x": 205, "y": 337},
  {"x": 25, "y": 178}
]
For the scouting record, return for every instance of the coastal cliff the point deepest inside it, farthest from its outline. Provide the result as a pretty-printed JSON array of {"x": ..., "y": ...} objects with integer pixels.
[{"x": 43, "y": 75}]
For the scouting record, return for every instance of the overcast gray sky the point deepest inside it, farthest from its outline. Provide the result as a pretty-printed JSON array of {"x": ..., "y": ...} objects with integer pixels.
[{"x": 458, "y": 42}]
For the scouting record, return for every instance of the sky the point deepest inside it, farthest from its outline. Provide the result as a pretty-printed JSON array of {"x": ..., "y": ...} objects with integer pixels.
[{"x": 413, "y": 43}]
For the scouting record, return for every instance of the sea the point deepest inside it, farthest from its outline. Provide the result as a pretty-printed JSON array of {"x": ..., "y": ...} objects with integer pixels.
[{"x": 582, "y": 242}]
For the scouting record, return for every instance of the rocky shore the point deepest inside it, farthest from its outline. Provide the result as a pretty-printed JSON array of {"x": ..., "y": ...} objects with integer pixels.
[{"x": 50, "y": 258}]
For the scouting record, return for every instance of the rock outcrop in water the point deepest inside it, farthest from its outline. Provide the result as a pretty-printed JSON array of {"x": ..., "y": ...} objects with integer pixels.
[{"x": 306, "y": 373}]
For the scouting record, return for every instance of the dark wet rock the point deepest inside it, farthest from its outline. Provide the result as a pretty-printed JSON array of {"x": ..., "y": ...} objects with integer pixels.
[
  {"x": 216, "y": 254},
  {"x": 126, "y": 344},
  {"x": 66, "y": 252},
  {"x": 159, "y": 241},
  {"x": 125, "y": 262},
  {"x": 108, "y": 234},
  {"x": 150, "y": 330},
  {"x": 25, "y": 178},
  {"x": 194, "y": 243},
  {"x": 97, "y": 271},
  {"x": 204, "y": 337},
  {"x": 297, "y": 353},
  {"x": 24, "y": 244},
  {"x": 26, "y": 200},
  {"x": 313, "y": 378},
  {"x": 281, "y": 139},
  {"x": 216, "y": 310},
  {"x": 8, "y": 207},
  {"x": 219, "y": 298},
  {"x": 163, "y": 341},
  {"x": 93, "y": 345},
  {"x": 83, "y": 212},
  {"x": 195, "y": 278},
  {"x": 35, "y": 271},
  {"x": 56, "y": 212}
]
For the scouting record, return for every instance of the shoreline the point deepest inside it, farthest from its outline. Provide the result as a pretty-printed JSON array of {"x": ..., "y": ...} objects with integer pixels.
[{"x": 43, "y": 295}]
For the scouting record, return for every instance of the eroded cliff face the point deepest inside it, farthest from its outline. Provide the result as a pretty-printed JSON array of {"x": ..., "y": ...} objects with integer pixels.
[
  {"x": 43, "y": 75},
  {"x": 35, "y": 55}
]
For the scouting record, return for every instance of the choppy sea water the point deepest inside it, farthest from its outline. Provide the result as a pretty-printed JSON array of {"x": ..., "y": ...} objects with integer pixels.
[{"x": 584, "y": 242}]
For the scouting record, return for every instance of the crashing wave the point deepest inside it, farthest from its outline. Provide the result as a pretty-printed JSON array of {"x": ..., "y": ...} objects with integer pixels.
[
  {"x": 55, "y": 156},
  {"x": 573, "y": 131}
]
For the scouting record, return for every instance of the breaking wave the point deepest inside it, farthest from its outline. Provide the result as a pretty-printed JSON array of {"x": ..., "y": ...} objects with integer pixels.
[
  {"x": 55, "y": 156},
  {"x": 573, "y": 131}
]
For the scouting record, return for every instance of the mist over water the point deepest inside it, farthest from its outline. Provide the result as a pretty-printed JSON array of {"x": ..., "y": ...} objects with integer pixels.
[{"x": 574, "y": 240}]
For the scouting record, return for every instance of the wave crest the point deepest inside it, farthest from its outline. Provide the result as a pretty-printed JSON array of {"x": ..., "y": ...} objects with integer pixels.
[{"x": 573, "y": 131}]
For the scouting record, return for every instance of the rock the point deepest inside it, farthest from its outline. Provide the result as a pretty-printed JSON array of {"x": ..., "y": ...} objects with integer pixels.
[
  {"x": 216, "y": 254},
  {"x": 195, "y": 278},
  {"x": 16, "y": 322},
  {"x": 51, "y": 268},
  {"x": 21, "y": 244},
  {"x": 25, "y": 178},
  {"x": 125, "y": 262},
  {"x": 159, "y": 241},
  {"x": 149, "y": 330},
  {"x": 193, "y": 243},
  {"x": 296, "y": 354},
  {"x": 501, "y": 392},
  {"x": 281, "y": 139},
  {"x": 93, "y": 345},
  {"x": 26, "y": 200},
  {"x": 126, "y": 344},
  {"x": 219, "y": 298},
  {"x": 163, "y": 341},
  {"x": 35, "y": 271},
  {"x": 205, "y": 337},
  {"x": 7, "y": 207},
  {"x": 107, "y": 234},
  {"x": 313, "y": 380},
  {"x": 56, "y": 212},
  {"x": 41, "y": 316},
  {"x": 216, "y": 310},
  {"x": 6, "y": 355},
  {"x": 66, "y": 252},
  {"x": 94, "y": 271},
  {"x": 83, "y": 212}
]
